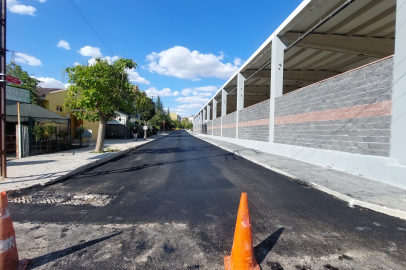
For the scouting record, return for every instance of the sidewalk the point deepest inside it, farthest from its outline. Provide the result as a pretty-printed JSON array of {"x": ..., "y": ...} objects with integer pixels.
[
  {"x": 49, "y": 168},
  {"x": 354, "y": 189}
]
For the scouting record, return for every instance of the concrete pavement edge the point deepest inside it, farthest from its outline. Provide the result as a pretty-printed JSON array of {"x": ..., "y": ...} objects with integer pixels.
[{"x": 351, "y": 201}]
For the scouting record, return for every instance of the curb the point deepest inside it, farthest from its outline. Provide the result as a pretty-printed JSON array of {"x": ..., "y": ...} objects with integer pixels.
[
  {"x": 351, "y": 201},
  {"x": 88, "y": 166}
]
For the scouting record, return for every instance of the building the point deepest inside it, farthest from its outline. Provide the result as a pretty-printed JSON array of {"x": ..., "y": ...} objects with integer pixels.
[
  {"x": 53, "y": 99},
  {"x": 327, "y": 87},
  {"x": 191, "y": 118},
  {"x": 29, "y": 115},
  {"x": 174, "y": 117}
]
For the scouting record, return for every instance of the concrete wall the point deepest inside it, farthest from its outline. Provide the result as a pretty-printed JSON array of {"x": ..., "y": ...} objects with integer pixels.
[
  {"x": 343, "y": 123},
  {"x": 217, "y": 127},
  {"x": 229, "y": 125},
  {"x": 209, "y": 125},
  {"x": 253, "y": 122},
  {"x": 350, "y": 112}
]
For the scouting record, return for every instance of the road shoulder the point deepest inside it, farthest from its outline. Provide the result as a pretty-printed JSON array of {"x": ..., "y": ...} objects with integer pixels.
[{"x": 355, "y": 190}]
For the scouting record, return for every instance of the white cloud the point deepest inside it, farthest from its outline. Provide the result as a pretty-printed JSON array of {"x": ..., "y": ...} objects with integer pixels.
[
  {"x": 135, "y": 77},
  {"x": 109, "y": 59},
  {"x": 186, "y": 91},
  {"x": 42, "y": 1},
  {"x": 207, "y": 89},
  {"x": 63, "y": 44},
  {"x": 166, "y": 92},
  {"x": 182, "y": 63},
  {"x": 192, "y": 99},
  {"x": 23, "y": 58},
  {"x": 51, "y": 83},
  {"x": 190, "y": 106},
  {"x": 90, "y": 51},
  {"x": 77, "y": 64},
  {"x": 178, "y": 111},
  {"x": 196, "y": 90},
  {"x": 15, "y": 7},
  {"x": 186, "y": 110},
  {"x": 237, "y": 61},
  {"x": 203, "y": 94}
]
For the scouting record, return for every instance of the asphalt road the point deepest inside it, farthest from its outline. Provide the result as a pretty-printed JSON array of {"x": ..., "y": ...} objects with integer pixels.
[{"x": 172, "y": 204}]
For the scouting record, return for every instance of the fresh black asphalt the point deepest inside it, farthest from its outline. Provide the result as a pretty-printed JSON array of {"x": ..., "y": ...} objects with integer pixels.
[{"x": 183, "y": 179}]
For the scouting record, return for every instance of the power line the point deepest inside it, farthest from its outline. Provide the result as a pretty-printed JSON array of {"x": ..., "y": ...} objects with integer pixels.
[{"x": 91, "y": 26}]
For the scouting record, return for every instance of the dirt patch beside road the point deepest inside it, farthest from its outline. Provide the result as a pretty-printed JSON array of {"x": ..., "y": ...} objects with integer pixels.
[
  {"x": 113, "y": 246},
  {"x": 164, "y": 246}
]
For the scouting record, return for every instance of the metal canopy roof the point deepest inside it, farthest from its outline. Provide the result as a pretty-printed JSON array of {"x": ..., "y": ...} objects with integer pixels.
[
  {"x": 361, "y": 33},
  {"x": 31, "y": 110}
]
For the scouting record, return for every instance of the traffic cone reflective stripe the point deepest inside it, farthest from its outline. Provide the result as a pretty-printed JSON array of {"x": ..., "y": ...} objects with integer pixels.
[
  {"x": 8, "y": 247},
  {"x": 242, "y": 253}
]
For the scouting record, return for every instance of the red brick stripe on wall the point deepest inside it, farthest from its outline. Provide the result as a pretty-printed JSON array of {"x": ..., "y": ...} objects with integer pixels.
[
  {"x": 229, "y": 126},
  {"x": 260, "y": 122},
  {"x": 360, "y": 111}
]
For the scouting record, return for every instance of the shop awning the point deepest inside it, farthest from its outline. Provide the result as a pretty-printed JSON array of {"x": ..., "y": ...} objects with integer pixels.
[{"x": 38, "y": 113}]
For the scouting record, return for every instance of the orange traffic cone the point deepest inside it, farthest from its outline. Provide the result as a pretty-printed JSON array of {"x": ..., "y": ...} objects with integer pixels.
[
  {"x": 242, "y": 252},
  {"x": 8, "y": 247}
]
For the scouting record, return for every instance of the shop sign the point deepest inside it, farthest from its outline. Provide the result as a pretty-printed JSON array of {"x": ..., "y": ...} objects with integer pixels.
[{"x": 17, "y": 94}]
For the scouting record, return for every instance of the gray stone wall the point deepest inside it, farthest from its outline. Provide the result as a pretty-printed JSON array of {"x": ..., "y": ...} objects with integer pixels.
[
  {"x": 217, "y": 127},
  {"x": 253, "y": 122},
  {"x": 209, "y": 127},
  {"x": 349, "y": 113},
  {"x": 229, "y": 127}
]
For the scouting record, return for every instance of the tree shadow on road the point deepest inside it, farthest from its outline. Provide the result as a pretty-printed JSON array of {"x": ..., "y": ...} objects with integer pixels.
[
  {"x": 151, "y": 165},
  {"x": 47, "y": 258},
  {"x": 262, "y": 249},
  {"x": 170, "y": 150}
]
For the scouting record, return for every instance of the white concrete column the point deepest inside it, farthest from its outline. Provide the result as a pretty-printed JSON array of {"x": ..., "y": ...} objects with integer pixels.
[
  {"x": 214, "y": 108},
  {"x": 223, "y": 102},
  {"x": 201, "y": 122},
  {"x": 240, "y": 99},
  {"x": 223, "y": 107},
  {"x": 240, "y": 91},
  {"x": 398, "y": 132},
  {"x": 208, "y": 112},
  {"x": 204, "y": 127},
  {"x": 276, "y": 80}
]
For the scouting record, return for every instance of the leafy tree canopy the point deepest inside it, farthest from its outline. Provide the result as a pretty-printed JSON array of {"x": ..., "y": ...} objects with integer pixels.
[
  {"x": 99, "y": 90},
  {"x": 29, "y": 83},
  {"x": 159, "y": 105},
  {"x": 145, "y": 107}
]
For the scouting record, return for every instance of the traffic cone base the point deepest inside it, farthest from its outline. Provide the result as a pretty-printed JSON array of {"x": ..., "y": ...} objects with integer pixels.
[
  {"x": 228, "y": 266},
  {"x": 8, "y": 247},
  {"x": 23, "y": 264},
  {"x": 242, "y": 252}
]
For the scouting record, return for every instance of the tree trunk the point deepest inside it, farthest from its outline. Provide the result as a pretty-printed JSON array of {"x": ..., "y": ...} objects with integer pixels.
[
  {"x": 145, "y": 132},
  {"x": 101, "y": 134}
]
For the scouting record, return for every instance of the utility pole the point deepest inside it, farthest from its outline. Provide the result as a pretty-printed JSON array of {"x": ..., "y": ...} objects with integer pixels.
[{"x": 3, "y": 50}]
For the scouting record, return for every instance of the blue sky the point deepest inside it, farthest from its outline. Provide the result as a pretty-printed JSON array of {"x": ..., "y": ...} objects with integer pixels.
[{"x": 185, "y": 49}]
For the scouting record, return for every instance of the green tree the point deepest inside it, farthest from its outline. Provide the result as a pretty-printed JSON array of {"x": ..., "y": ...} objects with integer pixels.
[
  {"x": 29, "y": 83},
  {"x": 185, "y": 123},
  {"x": 100, "y": 90},
  {"x": 159, "y": 105},
  {"x": 145, "y": 107},
  {"x": 159, "y": 117}
]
